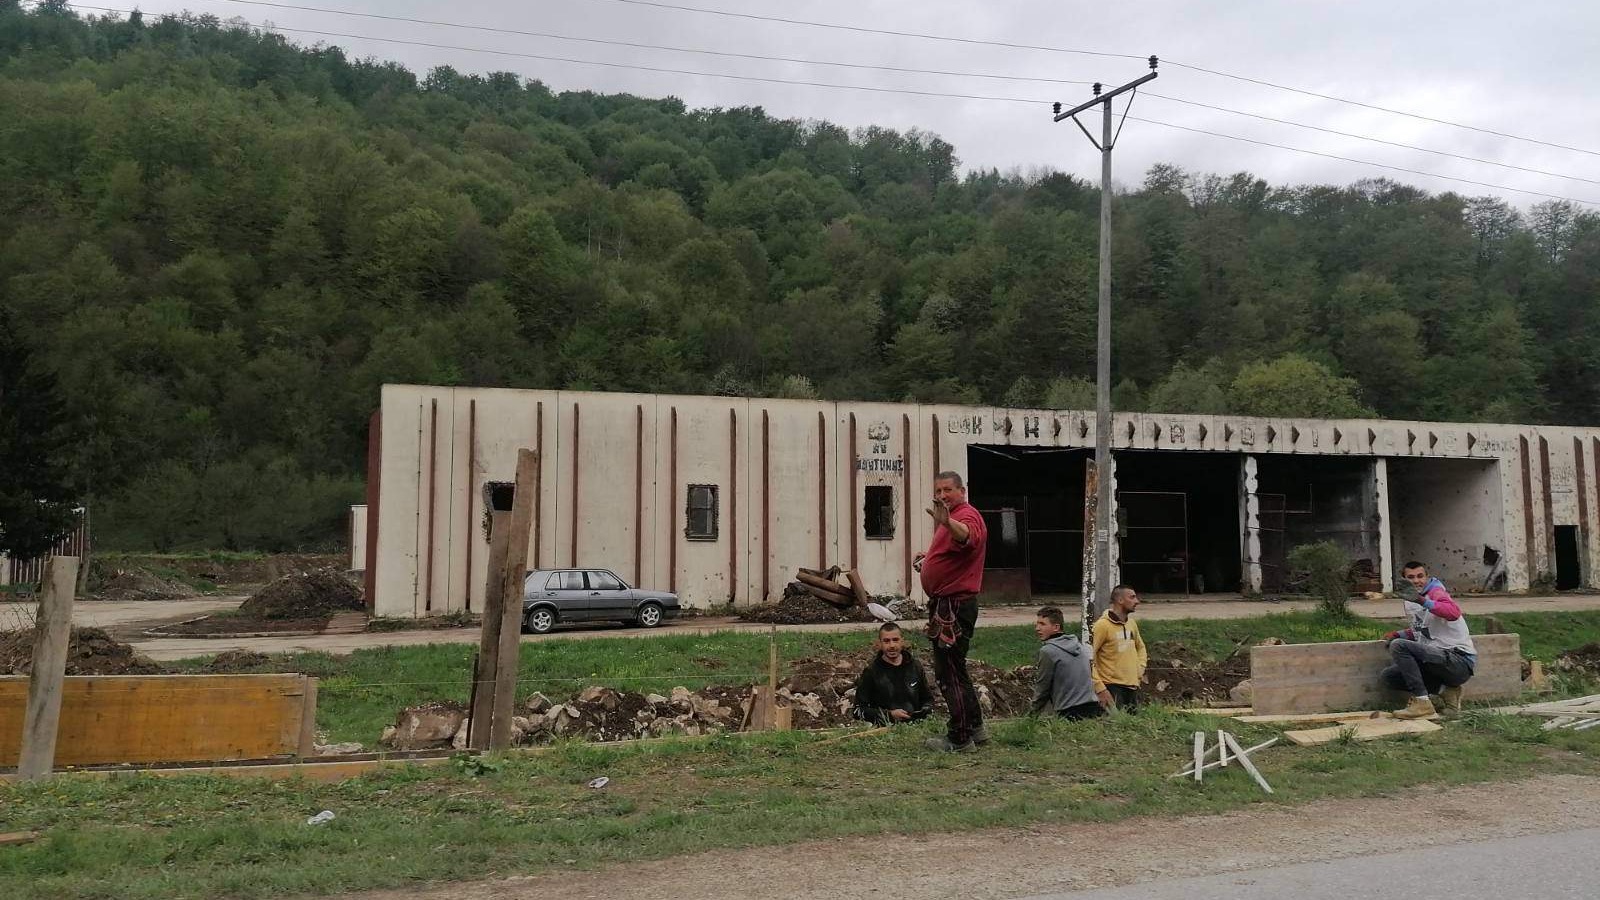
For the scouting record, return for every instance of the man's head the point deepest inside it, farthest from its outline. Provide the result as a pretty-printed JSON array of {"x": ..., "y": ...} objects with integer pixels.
[
  {"x": 1124, "y": 599},
  {"x": 1416, "y": 573},
  {"x": 1048, "y": 623},
  {"x": 949, "y": 489},
  {"x": 891, "y": 643}
]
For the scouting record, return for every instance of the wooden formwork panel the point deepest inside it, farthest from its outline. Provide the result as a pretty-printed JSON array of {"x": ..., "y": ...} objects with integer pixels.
[
  {"x": 107, "y": 719},
  {"x": 1290, "y": 679}
]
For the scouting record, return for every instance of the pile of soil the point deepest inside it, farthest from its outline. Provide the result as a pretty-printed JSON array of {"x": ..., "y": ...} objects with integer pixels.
[
  {"x": 1584, "y": 660},
  {"x": 800, "y": 608},
  {"x": 316, "y": 594},
  {"x": 90, "y": 651},
  {"x": 141, "y": 584},
  {"x": 255, "y": 570},
  {"x": 1178, "y": 674},
  {"x": 237, "y": 662}
]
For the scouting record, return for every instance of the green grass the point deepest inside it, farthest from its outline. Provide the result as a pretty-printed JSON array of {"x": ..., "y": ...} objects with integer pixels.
[
  {"x": 140, "y": 838},
  {"x": 360, "y": 693}
]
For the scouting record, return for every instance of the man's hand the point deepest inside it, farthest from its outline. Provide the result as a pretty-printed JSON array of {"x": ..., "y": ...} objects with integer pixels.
[
  {"x": 916, "y": 561},
  {"x": 940, "y": 514},
  {"x": 1390, "y": 636},
  {"x": 1104, "y": 696},
  {"x": 899, "y": 715}
]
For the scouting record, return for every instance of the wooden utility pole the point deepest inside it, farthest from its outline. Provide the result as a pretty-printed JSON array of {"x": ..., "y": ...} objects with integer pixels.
[
  {"x": 1102, "y": 419},
  {"x": 51, "y": 634},
  {"x": 514, "y": 573}
]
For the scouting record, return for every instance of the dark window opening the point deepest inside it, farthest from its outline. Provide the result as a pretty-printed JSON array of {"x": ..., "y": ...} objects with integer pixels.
[
  {"x": 879, "y": 518},
  {"x": 1568, "y": 574},
  {"x": 700, "y": 513}
]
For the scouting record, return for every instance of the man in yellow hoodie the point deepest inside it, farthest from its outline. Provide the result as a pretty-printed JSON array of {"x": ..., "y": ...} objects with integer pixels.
[{"x": 1119, "y": 653}]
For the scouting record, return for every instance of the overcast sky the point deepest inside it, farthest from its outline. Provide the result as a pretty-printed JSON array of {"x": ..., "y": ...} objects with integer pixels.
[{"x": 1524, "y": 68}]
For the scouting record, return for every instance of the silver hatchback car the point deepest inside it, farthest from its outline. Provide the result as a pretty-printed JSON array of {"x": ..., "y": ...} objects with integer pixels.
[{"x": 552, "y": 596}]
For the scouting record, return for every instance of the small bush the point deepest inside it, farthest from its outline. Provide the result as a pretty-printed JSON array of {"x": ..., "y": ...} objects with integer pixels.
[{"x": 1326, "y": 572}]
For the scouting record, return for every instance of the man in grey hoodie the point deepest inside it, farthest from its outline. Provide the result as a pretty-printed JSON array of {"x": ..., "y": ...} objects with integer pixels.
[{"x": 1063, "y": 685}]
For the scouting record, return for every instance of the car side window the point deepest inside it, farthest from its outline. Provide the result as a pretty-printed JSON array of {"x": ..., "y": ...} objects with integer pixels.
[
  {"x": 554, "y": 582},
  {"x": 604, "y": 581},
  {"x": 572, "y": 581}
]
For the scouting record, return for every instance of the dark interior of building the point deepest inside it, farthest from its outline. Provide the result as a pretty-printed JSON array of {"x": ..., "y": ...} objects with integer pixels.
[
  {"x": 1178, "y": 521},
  {"x": 1032, "y": 500},
  {"x": 1307, "y": 499}
]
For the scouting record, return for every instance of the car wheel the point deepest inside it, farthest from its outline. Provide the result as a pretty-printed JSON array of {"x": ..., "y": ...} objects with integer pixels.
[
  {"x": 541, "y": 620},
  {"x": 649, "y": 615}
]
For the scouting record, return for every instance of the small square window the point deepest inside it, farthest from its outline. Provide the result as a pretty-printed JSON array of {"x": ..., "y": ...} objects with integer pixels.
[
  {"x": 879, "y": 518},
  {"x": 700, "y": 513}
]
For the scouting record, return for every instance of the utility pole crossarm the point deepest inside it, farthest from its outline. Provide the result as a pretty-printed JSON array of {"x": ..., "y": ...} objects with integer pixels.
[{"x": 1090, "y": 104}]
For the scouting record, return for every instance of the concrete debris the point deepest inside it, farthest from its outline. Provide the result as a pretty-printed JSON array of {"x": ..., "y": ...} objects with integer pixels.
[
  {"x": 538, "y": 703},
  {"x": 427, "y": 727},
  {"x": 1240, "y": 692},
  {"x": 339, "y": 749}
]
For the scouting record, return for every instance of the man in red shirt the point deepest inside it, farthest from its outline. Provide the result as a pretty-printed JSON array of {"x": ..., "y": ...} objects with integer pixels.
[{"x": 952, "y": 575}]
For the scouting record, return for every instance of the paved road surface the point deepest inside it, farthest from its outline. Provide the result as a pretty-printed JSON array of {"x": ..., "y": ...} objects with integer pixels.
[
  {"x": 1548, "y": 866},
  {"x": 126, "y": 621}
]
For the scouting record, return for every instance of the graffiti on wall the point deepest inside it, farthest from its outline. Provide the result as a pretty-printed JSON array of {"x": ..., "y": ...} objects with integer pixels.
[
  {"x": 878, "y": 460},
  {"x": 965, "y": 425}
]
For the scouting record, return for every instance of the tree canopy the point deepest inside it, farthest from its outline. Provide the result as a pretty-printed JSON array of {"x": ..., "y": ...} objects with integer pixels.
[{"x": 219, "y": 244}]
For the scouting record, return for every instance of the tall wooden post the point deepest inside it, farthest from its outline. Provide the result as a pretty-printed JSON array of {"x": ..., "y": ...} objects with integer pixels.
[
  {"x": 489, "y": 643},
  {"x": 515, "y": 572},
  {"x": 52, "y": 631}
]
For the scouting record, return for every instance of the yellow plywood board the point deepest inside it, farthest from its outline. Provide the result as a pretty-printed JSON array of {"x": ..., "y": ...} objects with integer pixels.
[
  {"x": 1366, "y": 730},
  {"x": 108, "y": 719}
]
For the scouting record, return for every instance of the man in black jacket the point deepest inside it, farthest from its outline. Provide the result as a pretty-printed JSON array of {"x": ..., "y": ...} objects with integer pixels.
[{"x": 893, "y": 688}]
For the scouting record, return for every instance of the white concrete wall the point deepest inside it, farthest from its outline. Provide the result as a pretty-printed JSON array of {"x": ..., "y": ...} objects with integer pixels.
[
  {"x": 358, "y": 538},
  {"x": 1443, "y": 513},
  {"x": 618, "y": 526}
]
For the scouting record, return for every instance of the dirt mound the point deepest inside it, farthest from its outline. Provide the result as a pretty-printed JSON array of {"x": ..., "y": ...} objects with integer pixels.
[
  {"x": 1585, "y": 660},
  {"x": 90, "y": 651},
  {"x": 1177, "y": 674},
  {"x": 236, "y": 662},
  {"x": 800, "y": 608},
  {"x": 222, "y": 568},
  {"x": 318, "y": 593},
  {"x": 141, "y": 584}
]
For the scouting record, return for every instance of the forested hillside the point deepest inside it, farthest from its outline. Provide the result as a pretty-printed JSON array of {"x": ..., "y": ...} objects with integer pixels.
[{"x": 220, "y": 244}]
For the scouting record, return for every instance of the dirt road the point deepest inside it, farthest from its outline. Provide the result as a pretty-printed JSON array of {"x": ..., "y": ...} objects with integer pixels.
[
  {"x": 1017, "y": 863},
  {"x": 127, "y": 621}
]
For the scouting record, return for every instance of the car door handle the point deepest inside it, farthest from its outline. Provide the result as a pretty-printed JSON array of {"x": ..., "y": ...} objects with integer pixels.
[
  {"x": 594, "y": 593},
  {"x": 549, "y": 593}
]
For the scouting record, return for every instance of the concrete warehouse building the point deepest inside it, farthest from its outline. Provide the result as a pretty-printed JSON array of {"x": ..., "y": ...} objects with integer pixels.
[{"x": 721, "y": 498}]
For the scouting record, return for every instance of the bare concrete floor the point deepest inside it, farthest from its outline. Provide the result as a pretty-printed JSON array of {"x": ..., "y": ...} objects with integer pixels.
[{"x": 127, "y": 621}]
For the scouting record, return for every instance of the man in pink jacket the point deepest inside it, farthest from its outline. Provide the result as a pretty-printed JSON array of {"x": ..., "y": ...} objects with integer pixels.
[{"x": 1434, "y": 655}]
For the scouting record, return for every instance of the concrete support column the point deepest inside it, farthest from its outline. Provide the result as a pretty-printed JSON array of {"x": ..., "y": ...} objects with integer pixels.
[
  {"x": 1249, "y": 525},
  {"x": 1380, "y": 485}
]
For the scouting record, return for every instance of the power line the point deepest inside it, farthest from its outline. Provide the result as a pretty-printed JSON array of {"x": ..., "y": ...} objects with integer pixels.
[
  {"x": 614, "y": 42},
  {"x": 1364, "y": 162},
  {"x": 897, "y": 69},
  {"x": 884, "y": 31},
  {"x": 879, "y": 90},
  {"x": 1385, "y": 109},
  {"x": 960, "y": 40}
]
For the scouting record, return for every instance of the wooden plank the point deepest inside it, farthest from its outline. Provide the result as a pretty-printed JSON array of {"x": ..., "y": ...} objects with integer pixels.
[
  {"x": 108, "y": 719},
  {"x": 489, "y": 632},
  {"x": 1225, "y": 712},
  {"x": 41, "y": 719},
  {"x": 1217, "y": 762},
  {"x": 1290, "y": 679},
  {"x": 1200, "y": 754},
  {"x": 1364, "y": 731},
  {"x": 1311, "y": 718},
  {"x": 515, "y": 572},
  {"x": 308, "y": 720},
  {"x": 18, "y": 837},
  {"x": 1244, "y": 760}
]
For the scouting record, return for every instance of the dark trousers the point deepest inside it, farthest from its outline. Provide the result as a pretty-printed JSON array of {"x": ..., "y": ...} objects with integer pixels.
[
  {"x": 1083, "y": 711},
  {"x": 955, "y": 617},
  {"x": 1420, "y": 669},
  {"x": 1126, "y": 696}
]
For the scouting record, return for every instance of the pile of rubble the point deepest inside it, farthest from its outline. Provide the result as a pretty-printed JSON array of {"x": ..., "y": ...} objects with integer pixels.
[
  {"x": 141, "y": 585},
  {"x": 1584, "y": 660},
  {"x": 318, "y": 593},
  {"x": 90, "y": 651},
  {"x": 820, "y": 693},
  {"x": 799, "y": 607}
]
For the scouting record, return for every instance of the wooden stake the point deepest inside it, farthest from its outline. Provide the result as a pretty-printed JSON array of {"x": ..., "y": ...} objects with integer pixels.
[
  {"x": 1244, "y": 760},
  {"x": 1215, "y": 763},
  {"x": 1199, "y": 753},
  {"x": 483, "y": 674},
  {"x": 1222, "y": 747},
  {"x": 52, "y": 631},
  {"x": 520, "y": 530}
]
